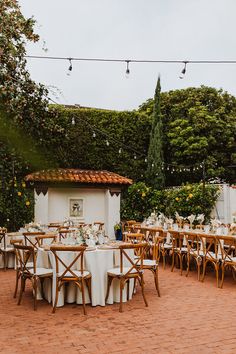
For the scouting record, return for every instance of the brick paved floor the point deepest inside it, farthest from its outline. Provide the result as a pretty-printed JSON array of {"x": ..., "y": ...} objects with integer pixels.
[{"x": 190, "y": 317}]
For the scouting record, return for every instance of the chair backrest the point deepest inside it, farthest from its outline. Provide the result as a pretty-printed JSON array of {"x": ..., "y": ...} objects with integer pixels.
[
  {"x": 227, "y": 247},
  {"x": 177, "y": 239},
  {"x": 3, "y": 238},
  {"x": 157, "y": 242},
  {"x": 30, "y": 238},
  {"x": 193, "y": 243},
  {"x": 135, "y": 265},
  {"x": 99, "y": 224},
  {"x": 134, "y": 237},
  {"x": 23, "y": 255},
  {"x": 16, "y": 242},
  {"x": 77, "y": 255},
  {"x": 209, "y": 245},
  {"x": 40, "y": 239}
]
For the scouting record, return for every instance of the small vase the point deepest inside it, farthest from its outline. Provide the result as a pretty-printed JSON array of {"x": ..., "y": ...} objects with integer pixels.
[{"x": 118, "y": 234}]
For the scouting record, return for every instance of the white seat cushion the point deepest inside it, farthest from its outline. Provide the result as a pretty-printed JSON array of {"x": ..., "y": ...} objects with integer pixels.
[
  {"x": 116, "y": 271},
  {"x": 149, "y": 263},
  {"x": 76, "y": 272},
  {"x": 7, "y": 249},
  {"x": 211, "y": 255},
  {"x": 195, "y": 253},
  {"x": 167, "y": 246},
  {"x": 183, "y": 249},
  {"x": 41, "y": 271}
]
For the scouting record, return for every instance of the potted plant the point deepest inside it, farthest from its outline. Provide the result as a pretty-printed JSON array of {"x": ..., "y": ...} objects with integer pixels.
[{"x": 118, "y": 231}]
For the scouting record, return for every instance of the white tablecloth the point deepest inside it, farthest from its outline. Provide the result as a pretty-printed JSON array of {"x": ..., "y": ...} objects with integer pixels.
[
  {"x": 97, "y": 262},
  {"x": 10, "y": 255}
]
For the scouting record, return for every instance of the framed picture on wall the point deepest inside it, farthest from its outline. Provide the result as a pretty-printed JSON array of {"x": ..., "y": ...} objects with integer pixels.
[{"x": 76, "y": 207}]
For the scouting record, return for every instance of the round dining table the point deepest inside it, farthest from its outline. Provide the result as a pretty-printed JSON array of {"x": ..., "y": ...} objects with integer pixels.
[{"x": 97, "y": 260}]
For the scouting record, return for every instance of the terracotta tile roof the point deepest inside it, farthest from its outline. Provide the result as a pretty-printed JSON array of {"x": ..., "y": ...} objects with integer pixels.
[{"x": 78, "y": 176}]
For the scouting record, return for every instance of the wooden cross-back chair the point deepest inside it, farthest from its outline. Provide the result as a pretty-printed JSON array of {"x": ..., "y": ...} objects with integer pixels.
[
  {"x": 30, "y": 238},
  {"x": 195, "y": 251},
  {"x": 179, "y": 248},
  {"x": 211, "y": 254},
  {"x": 64, "y": 232},
  {"x": 124, "y": 273},
  {"x": 153, "y": 263},
  {"x": 134, "y": 237},
  {"x": 4, "y": 249},
  {"x": 129, "y": 225},
  {"x": 40, "y": 239},
  {"x": 16, "y": 242},
  {"x": 79, "y": 277},
  {"x": 227, "y": 249},
  {"x": 24, "y": 254},
  {"x": 165, "y": 245}
]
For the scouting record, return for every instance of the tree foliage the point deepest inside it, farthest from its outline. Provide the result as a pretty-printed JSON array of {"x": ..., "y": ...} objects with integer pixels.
[
  {"x": 140, "y": 200},
  {"x": 155, "y": 175},
  {"x": 198, "y": 124}
]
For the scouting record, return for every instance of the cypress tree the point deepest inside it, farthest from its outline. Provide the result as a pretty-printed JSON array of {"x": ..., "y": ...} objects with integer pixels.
[{"x": 155, "y": 171}]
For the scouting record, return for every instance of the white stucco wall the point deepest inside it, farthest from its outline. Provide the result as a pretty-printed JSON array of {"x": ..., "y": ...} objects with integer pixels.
[
  {"x": 99, "y": 205},
  {"x": 226, "y": 204},
  {"x": 58, "y": 203}
]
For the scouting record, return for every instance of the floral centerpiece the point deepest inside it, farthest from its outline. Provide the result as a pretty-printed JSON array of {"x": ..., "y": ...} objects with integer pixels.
[
  {"x": 90, "y": 235},
  {"x": 200, "y": 218},
  {"x": 118, "y": 231},
  {"x": 191, "y": 219},
  {"x": 179, "y": 219},
  {"x": 33, "y": 227}
]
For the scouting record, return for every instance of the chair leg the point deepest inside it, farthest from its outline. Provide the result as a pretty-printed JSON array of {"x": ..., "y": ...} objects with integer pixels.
[
  {"x": 127, "y": 290},
  {"x": 17, "y": 282},
  {"x": 56, "y": 298},
  {"x": 188, "y": 265},
  {"x": 88, "y": 283},
  {"x": 155, "y": 273},
  {"x": 21, "y": 290},
  {"x": 109, "y": 281},
  {"x": 163, "y": 260},
  {"x": 198, "y": 270},
  {"x": 204, "y": 270},
  {"x": 181, "y": 264},
  {"x": 35, "y": 280},
  {"x": 121, "y": 293},
  {"x": 5, "y": 260},
  {"x": 134, "y": 286},
  {"x": 223, "y": 275},
  {"x": 217, "y": 275},
  {"x": 142, "y": 288},
  {"x": 83, "y": 295},
  {"x": 173, "y": 261}
]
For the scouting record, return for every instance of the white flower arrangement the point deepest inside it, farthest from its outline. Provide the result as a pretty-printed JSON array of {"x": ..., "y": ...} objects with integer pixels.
[
  {"x": 33, "y": 227},
  {"x": 200, "y": 218}
]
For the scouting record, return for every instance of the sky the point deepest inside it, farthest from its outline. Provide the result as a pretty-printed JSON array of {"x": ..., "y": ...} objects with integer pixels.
[{"x": 130, "y": 29}]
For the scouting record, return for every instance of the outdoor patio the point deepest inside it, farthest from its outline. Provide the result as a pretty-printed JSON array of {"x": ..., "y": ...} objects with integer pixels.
[{"x": 190, "y": 317}]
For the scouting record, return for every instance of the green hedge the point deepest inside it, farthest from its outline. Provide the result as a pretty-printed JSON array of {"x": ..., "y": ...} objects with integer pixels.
[{"x": 140, "y": 201}]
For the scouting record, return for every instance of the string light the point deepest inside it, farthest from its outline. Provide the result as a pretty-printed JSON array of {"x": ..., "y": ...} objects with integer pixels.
[
  {"x": 127, "y": 69},
  {"x": 145, "y": 160},
  {"x": 70, "y": 67},
  {"x": 135, "y": 157},
  {"x": 73, "y": 121},
  {"x": 183, "y": 72},
  {"x": 107, "y": 142},
  {"x": 94, "y": 135},
  {"x": 120, "y": 150}
]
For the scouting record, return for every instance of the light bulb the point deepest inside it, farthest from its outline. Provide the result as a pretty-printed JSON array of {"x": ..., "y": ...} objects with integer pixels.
[
  {"x": 94, "y": 135},
  {"x": 120, "y": 150},
  {"x": 73, "y": 121},
  {"x": 107, "y": 142}
]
